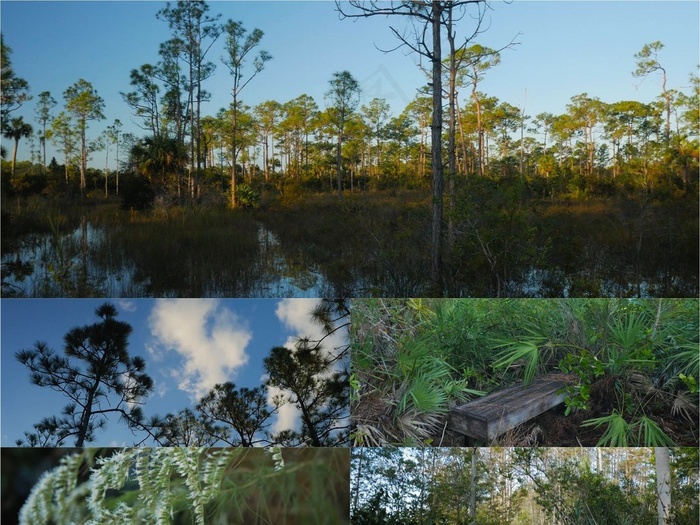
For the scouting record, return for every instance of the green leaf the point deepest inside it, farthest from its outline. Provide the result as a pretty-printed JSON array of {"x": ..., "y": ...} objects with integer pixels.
[
  {"x": 650, "y": 434},
  {"x": 527, "y": 351},
  {"x": 688, "y": 359},
  {"x": 630, "y": 331},
  {"x": 689, "y": 382},
  {"x": 427, "y": 397},
  {"x": 617, "y": 432}
]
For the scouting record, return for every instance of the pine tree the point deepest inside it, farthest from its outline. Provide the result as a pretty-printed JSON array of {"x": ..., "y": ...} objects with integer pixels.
[{"x": 97, "y": 375}]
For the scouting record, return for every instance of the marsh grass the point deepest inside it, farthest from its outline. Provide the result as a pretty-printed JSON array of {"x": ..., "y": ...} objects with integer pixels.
[
  {"x": 364, "y": 245},
  {"x": 189, "y": 252},
  {"x": 193, "y": 485},
  {"x": 628, "y": 247}
]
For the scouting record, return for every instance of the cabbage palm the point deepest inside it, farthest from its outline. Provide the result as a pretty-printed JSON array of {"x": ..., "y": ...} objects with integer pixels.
[
  {"x": 158, "y": 158},
  {"x": 16, "y": 130}
]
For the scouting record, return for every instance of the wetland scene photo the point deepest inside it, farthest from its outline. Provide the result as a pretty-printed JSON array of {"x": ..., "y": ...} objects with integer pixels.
[
  {"x": 315, "y": 149},
  {"x": 369, "y": 262}
]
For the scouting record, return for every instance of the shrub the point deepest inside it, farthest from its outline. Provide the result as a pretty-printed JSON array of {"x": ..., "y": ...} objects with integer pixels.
[
  {"x": 247, "y": 197},
  {"x": 136, "y": 192}
]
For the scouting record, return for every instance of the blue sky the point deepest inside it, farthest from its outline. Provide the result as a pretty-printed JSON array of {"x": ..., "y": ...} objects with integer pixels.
[
  {"x": 566, "y": 48},
  {"x": 188, "y": 344}
]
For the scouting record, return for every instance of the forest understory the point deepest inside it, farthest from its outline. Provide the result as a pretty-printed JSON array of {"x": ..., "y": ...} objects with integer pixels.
[
  {"x": 633, "y": 364},
  {"x": 522, "y": 486}
]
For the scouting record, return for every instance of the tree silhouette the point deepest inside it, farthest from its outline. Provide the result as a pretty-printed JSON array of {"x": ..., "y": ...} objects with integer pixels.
[
  {"x": 195, "y": 32},
  {"x": 319, "y": 393},
  {"x": 316, "y": 379},
  {"x": 242, "y": 410},
  {"x": 83, "y": 103},
  {"x": 426, "y": 41},
  {"x": 97, "y": 375},
  {"x": 43, "y": 115},
  {"x": 185, "y": 429},
  {"x": 14, "y": 91},
  {"x": 160, "y": 159},
  {"x": 648, "y": 63},
  {"x": 239, "y": 43}
]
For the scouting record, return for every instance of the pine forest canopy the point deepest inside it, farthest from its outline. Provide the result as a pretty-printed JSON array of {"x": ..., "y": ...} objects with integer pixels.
[
  {"x": 153, "y": 92},
  {"x": 167, "y": 94}
]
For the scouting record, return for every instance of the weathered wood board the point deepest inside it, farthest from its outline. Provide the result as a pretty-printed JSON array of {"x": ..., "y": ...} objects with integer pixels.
[{"x": 490, "y": 416}]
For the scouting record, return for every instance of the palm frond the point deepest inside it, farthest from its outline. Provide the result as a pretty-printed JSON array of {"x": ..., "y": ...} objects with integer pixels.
[
  {"x": 426, "y": 396},
  {"x": 527, "y": 351},
  {"x": 688, "y": 360},
  {"x": 629, "y": 331},
  {"x": 650, "y": 434},
  {"x": 684, "y": 407},
  {"x": 617, "y": 432}
]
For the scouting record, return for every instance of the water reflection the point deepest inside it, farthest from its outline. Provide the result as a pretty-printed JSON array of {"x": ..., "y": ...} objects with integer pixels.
[
  {"x": 86, "y": 263},
  {"x": 96, "y": 261}
]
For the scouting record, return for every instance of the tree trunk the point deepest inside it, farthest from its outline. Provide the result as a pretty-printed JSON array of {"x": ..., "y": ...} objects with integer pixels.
[
  {"x": 339, "y": 159},
  {"x": 116, "y": 160},
  {"x": 266, "y": 156},
  {"x": 667, "y": 97},
  {"x": 480, "y": 130},
  {"x": 462, "y": 138},
  {"x": 14, "y": 157},
  {"x": 43, "y": 146},
  {"x": 472, "y": 487},
  {"x": 436, "y": 150},
  {"x": 423, "y": 140},
  {"x": 356, "y": 498},
  {"x": 663, "y": 484},
  {"x": 522, "y": 142},
  {"x": 233, "y": 151},
  {"x": 451, "y": 145},
  {"x": 106, "y": 172},
  {"x": 83, "y": 159}
]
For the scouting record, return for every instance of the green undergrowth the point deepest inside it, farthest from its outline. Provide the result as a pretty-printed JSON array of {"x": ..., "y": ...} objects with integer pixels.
[{"x": 633, "y": 367}]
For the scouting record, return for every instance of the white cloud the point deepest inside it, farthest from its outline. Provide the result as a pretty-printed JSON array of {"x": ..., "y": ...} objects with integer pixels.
[
  {"x": 161, "y": 389},
  {"x": 295, "y": 314},
  {"x": 155, "y": 351},
  {"x": 128, "y": 382},
  {"x": 126, "y": 305},
  {"x": 210, "y": 338},
  {"x": 287, "y": 415}
]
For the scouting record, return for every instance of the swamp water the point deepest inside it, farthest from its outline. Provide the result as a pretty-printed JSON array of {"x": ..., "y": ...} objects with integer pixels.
[
  {"x": 99, "y": 261},
  {"x": 87, "y": 262}
]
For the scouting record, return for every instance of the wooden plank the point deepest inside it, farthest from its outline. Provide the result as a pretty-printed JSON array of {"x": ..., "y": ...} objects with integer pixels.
[{"x": 488, "y": 417}]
